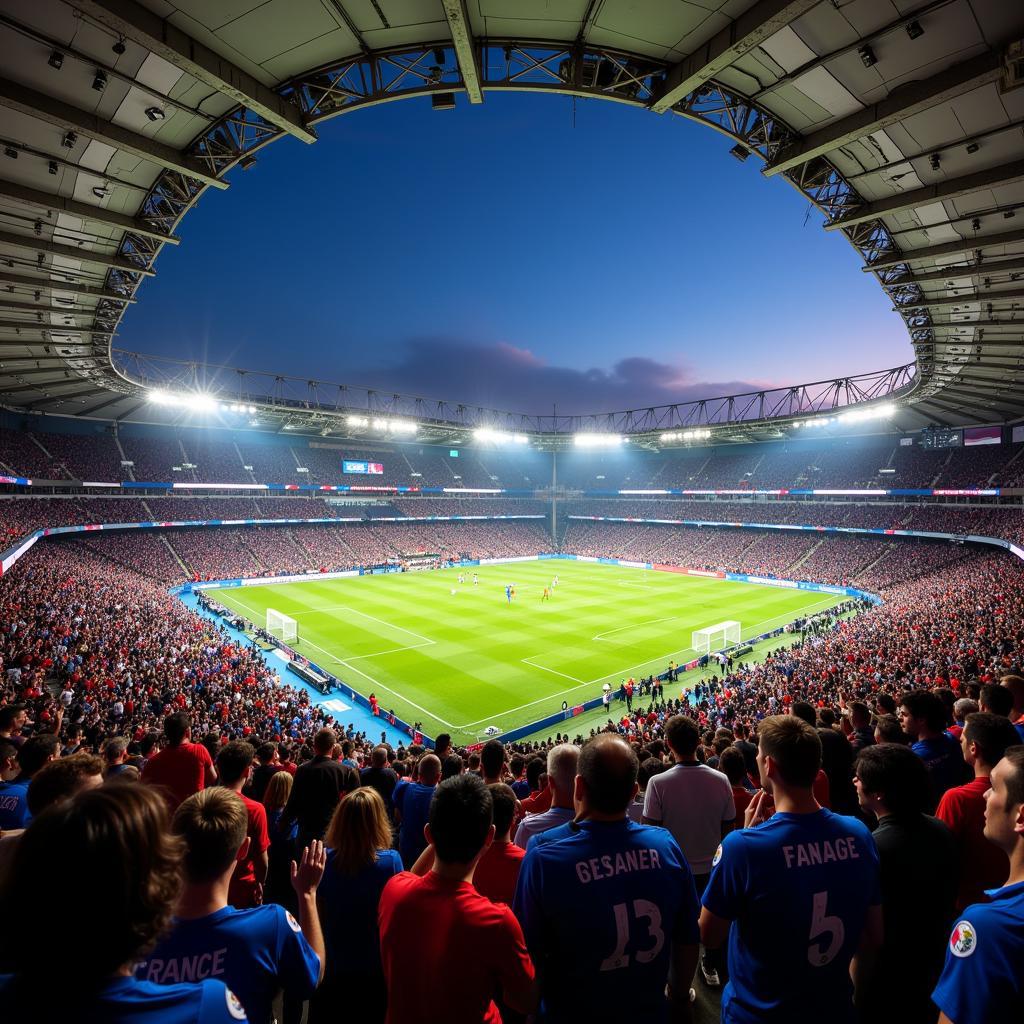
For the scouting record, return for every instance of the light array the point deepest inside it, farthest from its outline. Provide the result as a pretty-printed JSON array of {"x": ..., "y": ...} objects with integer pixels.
[
  {"x": 485, "y": 435},
  {"x": 192, "y": 401},
  {"x": 875, "y": 412},
  {"x": 700, "y": 434},
  {"x": 395, "y": 426},
  {"x": 587, "y": 440}
]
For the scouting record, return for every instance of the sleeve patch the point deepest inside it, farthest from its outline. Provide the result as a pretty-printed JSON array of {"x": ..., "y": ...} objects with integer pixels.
[
  {"x": 718, "y": 855},
  {"x": 292, "y": 923},
  {"x": 235, "y": 1008},
  {"x": 964, "y": 940}
]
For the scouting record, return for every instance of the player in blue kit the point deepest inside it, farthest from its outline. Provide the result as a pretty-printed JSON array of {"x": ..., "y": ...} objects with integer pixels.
[
  {"x": 109, "y": 846},
  {"x": 508, "y": 593},
  {"x": 608, "y": 906},
  {"x": 258, "y": 951},
  {"x": 801, "y": 890},
  {"x": 982, "y": 981}
]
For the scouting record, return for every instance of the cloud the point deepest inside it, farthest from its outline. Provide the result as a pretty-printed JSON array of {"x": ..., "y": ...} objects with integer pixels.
[{"x": 503, "y": 376}]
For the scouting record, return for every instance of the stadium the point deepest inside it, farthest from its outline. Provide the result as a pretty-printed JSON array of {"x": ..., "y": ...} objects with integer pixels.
[{"x": 714, "y": 659}]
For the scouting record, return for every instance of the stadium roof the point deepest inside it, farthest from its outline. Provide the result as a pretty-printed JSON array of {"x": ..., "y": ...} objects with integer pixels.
[{"x": 900, "y": 120}]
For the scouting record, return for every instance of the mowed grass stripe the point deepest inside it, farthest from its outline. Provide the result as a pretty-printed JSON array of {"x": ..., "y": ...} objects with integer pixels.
[{"x": 458, "y": 663}]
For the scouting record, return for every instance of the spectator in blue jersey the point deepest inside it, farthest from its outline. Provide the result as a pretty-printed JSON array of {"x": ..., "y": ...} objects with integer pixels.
[
  {"x": 923, "y": 717},
  {"x": 800, "y": 890},
  {"x": 982, "y": 981},
  {"x": 562, "y": 762},
  {"x": 111, "y": 849},
  {"x": 258, "y": 951},
  {"x": 412, "y": 808},
  {"x": 359, "y": 864},
  {"x": 918, "y": 870},
  {"x": 608, "y": 906},
  {"x": 35, "y": 752},
  {"x": 520, "y": 786}
]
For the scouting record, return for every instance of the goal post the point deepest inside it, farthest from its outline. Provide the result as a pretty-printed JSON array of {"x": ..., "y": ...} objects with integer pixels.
[
  {"x": 713, "y": 638},
  {"x": 281, "y": 626}
]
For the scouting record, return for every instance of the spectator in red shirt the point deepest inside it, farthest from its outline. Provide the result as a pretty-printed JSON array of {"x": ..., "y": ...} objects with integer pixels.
[
  {"x": 472, "y": 940},
  {"x": 234, "y": 764},
  {"x": 732, "y": 765},
  {"x": 983, "y": 865},
  {"x": 181, "y": 768},
  {"x": 498, "y": 871}
]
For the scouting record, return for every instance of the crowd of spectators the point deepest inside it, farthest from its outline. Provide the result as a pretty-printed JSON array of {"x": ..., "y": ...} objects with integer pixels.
[
  {"x": 199, "y": 457},
  {"x": 168, "y": 778}
]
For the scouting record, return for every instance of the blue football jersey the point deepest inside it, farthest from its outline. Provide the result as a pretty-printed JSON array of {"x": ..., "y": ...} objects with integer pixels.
[
  {"x": 14, "y": 813},
  {"x": 982, "y": 981},
  {"x": 601, "y": 904},
  {"x": 255, "y": 952},
  {"x": 125, "y": 1001},
  {"x": 797, "y": 889}
]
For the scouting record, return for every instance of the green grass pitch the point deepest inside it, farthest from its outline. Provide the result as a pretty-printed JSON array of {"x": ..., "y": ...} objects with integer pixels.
[{"x": 461, "y": 662}]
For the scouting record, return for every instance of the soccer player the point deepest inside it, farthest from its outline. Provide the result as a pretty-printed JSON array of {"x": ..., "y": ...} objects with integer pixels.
[
  {"x": 982, "y": 982},
  {"x": 110, "y": 847},
  {"x": 607, "y": 906},
  {"x": 800, "y": 890},
  {"x": 256, "y": 951},
  {"x": 508, "y": 592},
  {"x": 476, "y": 580},
  {"x": 475, "y": 947},
  {"x": 554, "y": 582},
  {"x": 546, "y": 595},
  {"x": 462, "y": 579}
]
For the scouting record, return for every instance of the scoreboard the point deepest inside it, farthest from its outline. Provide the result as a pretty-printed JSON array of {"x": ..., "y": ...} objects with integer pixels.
[{"x": 362, "y": 468}]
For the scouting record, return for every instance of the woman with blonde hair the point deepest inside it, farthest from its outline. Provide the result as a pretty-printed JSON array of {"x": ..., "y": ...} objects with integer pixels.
[
  {"x": 282, "y": 842},
  {"x": 359, "y": 864}
]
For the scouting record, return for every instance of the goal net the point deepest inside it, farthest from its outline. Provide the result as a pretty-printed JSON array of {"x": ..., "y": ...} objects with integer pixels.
[
  {"x": 713, "y": 638},
  {"x": 281, "y": 626}
]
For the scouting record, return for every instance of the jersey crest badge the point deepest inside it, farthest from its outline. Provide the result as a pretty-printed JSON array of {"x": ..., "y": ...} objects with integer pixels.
[
  {"x": 292, "y": 923},
  {"x": 235, "y": 1008},
  {"x": 718, "y": 855},
  {"x": 964, "y": 939}
]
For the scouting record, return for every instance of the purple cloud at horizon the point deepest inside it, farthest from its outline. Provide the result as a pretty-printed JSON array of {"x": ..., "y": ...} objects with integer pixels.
[{"x": 506, "y": 377}]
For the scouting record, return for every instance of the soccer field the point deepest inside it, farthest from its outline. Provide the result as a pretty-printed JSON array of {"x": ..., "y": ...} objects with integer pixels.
[{"x": 461, "y": 662}]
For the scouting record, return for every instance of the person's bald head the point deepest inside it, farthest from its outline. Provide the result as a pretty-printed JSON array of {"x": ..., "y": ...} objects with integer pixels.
[
  {"x": 606, "y": 776},
  {"x": 430, "y": 769},
  {"x": 1015, "y": 684}
]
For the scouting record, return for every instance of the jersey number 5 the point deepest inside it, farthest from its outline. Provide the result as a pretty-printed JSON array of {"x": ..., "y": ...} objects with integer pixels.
[
  {"x": 643, "y": 909},
  {"x": 824, "y": 925}
]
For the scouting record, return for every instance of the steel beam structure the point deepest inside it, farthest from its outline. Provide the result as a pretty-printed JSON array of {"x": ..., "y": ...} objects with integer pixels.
[
  {"x": 67, "y": 118},
  {"x": 19, "y": 325},
  {"x": 954, "y": 272},
  {"x": 29, "y": 307},
  {"x": 906, "y": 101},
  {"x": 158, "y": 35},
  {"x": 741, "y": 36},
  {"x": 70, "y": 252},
  {"x": 962, "y": 246},
  {"x": 84, "y": 211},
  {"x": 465, "y": 47},
  {"x": 953, "y": 188},
  {"x": 974, "y": 298},
  {"x": 47, "y": 284}
]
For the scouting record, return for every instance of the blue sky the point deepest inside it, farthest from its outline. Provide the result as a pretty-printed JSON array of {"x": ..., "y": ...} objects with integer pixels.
[{"x": 516, "y": 254}]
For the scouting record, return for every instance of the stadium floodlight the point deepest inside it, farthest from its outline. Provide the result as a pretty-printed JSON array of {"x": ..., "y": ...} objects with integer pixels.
[
  {"x": 592, "y": 440},
  {"x": 876, "y": 412},
  {"x": 396, "y": 426},
  {"x": 488, "y": 435},
  {"x": 160, "y": 397},
  {"x": 357, "y": 421}
]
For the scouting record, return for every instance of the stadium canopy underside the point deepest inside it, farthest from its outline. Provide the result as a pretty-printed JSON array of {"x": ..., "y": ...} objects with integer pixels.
[{"x": 901, "y": 121}]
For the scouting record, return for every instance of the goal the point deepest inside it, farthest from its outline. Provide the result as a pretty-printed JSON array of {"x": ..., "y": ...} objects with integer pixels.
[
  {"x": 281, "y": 626},
  {"x": 713, "y": 638}
]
